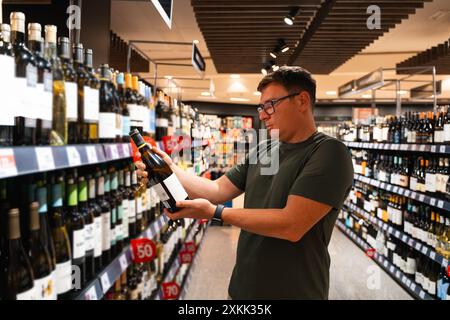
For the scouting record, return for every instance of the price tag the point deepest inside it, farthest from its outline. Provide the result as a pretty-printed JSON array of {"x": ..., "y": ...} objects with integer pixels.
[
  {"x": 432, "y": 201},
  {"x": 404, "y": 238},
  {"x": 397, "y": 233},
  {"x": 73, "y": 156},
  {"x": 114, "y": 152},
  {"x": 397, "y": 274},
  {"x": 389, "y": 187},
  {"x": 421, "y": 197},
  {"x": 44, "y": 157},
  {"x": 440, "y": 204},
  {"x": 411, "y": 242},
  {"x": 413, "y": 195},
  {"x": 390, "y": 229},
  {"x": 7, "y": 163},
  {"x": 444, "y": 262},
  {"x": 433, "y": 148},
  {"x": 385, "y": 227},
  {"x": 185, "y": 257},
  {"x": 395, "y": 189},
  {"x": 190, "y": 246},
  {"x": 442, "y": 149},
  {"x": 91, "y": 154},
  {"x": 418, "y": 246},
  {"x": 391, "y": 269},
  {"x": 407, "y": 193},
  {"x": 403, "y": 279},
  {"x": 432, "y": 255},
  {"x": 404, "y": 147},
  {"x": 422, "y": 147},
  {"x": 408, "y": 282},
  {"x": 412, "y": 286},
  {"x": 106, "y": 284},
  {"x": 385, "y": 263},
  {"x": 396, "y": 146},
  {"x": 171, "y": 290},
  {"x": 123, "y": 262},
  {"x": 144, "y": 250},
  {"x": 126, "y": 150},
  {"x": 422, "y": 294},
  {"x": 401, "y": 191},
  {"x": 424, "y": 250},
  {"x": 91, "y": 294}
]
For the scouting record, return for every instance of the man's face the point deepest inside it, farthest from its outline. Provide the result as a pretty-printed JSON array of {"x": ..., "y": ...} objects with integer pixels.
[{"x": 287, "y": 117}]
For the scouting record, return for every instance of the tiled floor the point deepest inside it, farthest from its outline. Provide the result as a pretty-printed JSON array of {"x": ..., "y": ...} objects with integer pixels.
[{"x": 352, "y": 274}]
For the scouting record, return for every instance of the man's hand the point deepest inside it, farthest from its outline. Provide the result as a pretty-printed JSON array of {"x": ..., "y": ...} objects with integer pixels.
[
  {"x": 141, "y": 166},
  {"x": 197, "y": 209}
]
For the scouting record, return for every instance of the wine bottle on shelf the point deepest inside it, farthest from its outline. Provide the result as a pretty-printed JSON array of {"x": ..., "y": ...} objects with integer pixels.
[
  {"x": 117, "y": 109},
  {"x": 108, "y": 173},
  {"x": 124, "y": 202},
  {"x": 106, "y": 216},
  {"x": 124, "y": 107},
  {"x": 7, "y": 63},
  {"x": 442, "y": 283},
  {"x": 167, "y": 185},
  {"x": 76, "y": 228},
  {"x": 411, "y": 263},
  {"x": 131, "y": 200},
  {"x": 107, "y": 117},
  {"x": 439, "y": 128},
  {"x": 82, "y": 82},
  {"x": 446, "y": 122},
  {"x": 71, "y": 88},
  {"x": 97, "y": 211},
  {"x": 63, "y": 254},
  {"x": 42, "y": 109},
  {"x": 116, "y": 196},
  {"x": 59, "y": 132},
  {"x": 26, "y": 79},
  {"x": 92, "y": 97},
  {"x": 88, "y": 216},
  {"x": 17, "y": 275},
  {"x": 40, "y": 258},
  {"x": 418, "y": 278}
]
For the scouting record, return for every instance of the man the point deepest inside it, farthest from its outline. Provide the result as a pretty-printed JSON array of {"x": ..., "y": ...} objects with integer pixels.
[{"x": 288, "y": 217}]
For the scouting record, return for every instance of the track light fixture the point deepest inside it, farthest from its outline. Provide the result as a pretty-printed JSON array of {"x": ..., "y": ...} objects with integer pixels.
[{"x": 289, "y": 19}]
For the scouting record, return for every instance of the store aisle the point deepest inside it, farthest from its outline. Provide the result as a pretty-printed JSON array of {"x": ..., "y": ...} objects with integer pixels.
[{"x": 350, "y": 270}]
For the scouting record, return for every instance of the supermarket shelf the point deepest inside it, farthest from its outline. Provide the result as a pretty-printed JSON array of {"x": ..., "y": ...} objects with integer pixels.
[
  {"x": 424, "y": 249},
  {"x": 105, "y": 280},
  {"x": 16, "y": 161},
  {"x": 410, "y": 286},
  {"x": 432, "y": 201},
  {"x": 428, "y": 148}
]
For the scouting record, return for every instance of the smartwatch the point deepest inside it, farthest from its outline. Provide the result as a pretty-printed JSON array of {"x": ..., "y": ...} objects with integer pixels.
[{"x": 218, "y": 214}]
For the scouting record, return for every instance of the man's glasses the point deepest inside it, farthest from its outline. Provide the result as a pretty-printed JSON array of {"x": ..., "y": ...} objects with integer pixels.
[{"x": 269, "y": 106}]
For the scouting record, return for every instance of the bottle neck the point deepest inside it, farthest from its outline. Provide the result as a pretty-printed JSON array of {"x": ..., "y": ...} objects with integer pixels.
[
  {"x": 100, "y": 186},
  {"x": 72, "y": 195},
  {"x": 35, "y": 47},
  {"x": 92, "y": 189},
  {"x": 17, "y": 38},
  {"x": 57, "y": 195},
  {"x": 13, "y": 228},
  {"x": 127, "y": 179},
  {"x": 82, "y": 192},
  {"x": 42, "y": 199}
]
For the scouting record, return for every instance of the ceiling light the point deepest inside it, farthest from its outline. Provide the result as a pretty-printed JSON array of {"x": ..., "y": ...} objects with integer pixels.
[
  {"x": 402, "y": 92},
  {"x": 206, "y": 93},
  {"x": 282, "y": 45},
  {"x": 196, "y": 41},
  {"x": 289, "y": 19},
  {"x": 264, "y": 71},
  {"x": 275, "y": 67},
  {"x": 330, "y": 93},
  {"x": 366, "y": 96},
  {"x": 168, "y": 77},
  {"x": 273, "y": 54},
  {"x": 239, "y": 99},
  {"x": 257, "y": 93},
  {"x": 234, "y": 76}
]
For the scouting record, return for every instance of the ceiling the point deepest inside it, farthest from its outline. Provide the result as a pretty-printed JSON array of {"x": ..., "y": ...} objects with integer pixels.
[{"x": 139, "y": 20}]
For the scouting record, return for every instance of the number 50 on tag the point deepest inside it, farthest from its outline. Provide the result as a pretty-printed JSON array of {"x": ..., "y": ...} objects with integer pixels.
[{"x": 144, "y": 250}]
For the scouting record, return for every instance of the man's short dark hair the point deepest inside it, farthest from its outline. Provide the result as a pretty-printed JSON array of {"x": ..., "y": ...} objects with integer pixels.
[{"x": 293, "y": 79}]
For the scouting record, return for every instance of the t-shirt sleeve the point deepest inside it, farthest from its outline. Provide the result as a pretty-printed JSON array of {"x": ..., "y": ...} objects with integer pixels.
[
  {"x": 238, "y": 175},
  {"x": 327, "y": 176}
]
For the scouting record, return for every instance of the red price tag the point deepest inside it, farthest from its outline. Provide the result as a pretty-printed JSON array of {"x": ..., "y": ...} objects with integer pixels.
[
  {"x": 370, "y": 253},
  {"x": 185, "y": 257},
  {"x": 171, "y": 290},
  {"x": 190, "y": 246},
  {"x": 144, "y": 250}
]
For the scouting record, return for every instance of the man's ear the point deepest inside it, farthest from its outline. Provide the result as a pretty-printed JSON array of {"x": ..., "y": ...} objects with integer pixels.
[{"x": 303, "y": 101}]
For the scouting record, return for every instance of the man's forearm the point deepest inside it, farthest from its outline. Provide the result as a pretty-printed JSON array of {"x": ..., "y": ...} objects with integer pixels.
[
  {"x": 265, "y": 222},
  {"x": 197, "y": 187}
]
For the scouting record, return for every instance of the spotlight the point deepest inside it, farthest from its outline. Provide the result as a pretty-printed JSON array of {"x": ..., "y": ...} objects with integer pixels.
[
  {"x": 264, "y": 71},
  {"x": 275, "y": 67},
  {"x": 289, "y": 19},
  {"x": 282, "y": 45}
]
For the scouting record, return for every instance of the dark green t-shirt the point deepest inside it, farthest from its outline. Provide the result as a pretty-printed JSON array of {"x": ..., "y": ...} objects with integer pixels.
[{"x": 319, "y": 168}]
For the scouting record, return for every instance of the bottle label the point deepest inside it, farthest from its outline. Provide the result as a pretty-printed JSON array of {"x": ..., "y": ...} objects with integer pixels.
[
  {"x": 91, "y": 105},
  {"x": 107, "y": 125},
  {"x": 432, "y": 287},
  {"x": 126, "y": 126},
  {"x": 27, "y": 295},
  {"x": 419, "y": 278},
  {"x": 425, "y": 283},
  {"x": 45, "y": 288},
  {"x": 71, "y": 100},
  {"x": 132, "y": 211},
  {"x": 134, "y": 113},
  {"x": 79, "y": 244},
  {"x": 139, "y": 207},
  {"x": 438, "y": 136},
  {"x": 8, "y": 98},
  {"x": 63, "y": 277},
  {"x": 89, "y": 233},
  {"x": 411, "y": 266},
  {"x": 106, "y": 231},
  {"x": 444, "y": 181},
  {"x": 175, "y": 188},
  {"x": 430, "y": 182},
  {"x": 162, "y": 123},
  {"x": 160, "y": 192},
  {"x": 119, "y": 125},
  {"x": 447, "y": 132},
  {"x": 125, "y": 218},
  {"x": 119, "y": 232},
  {"x": 32, "y": 95},
  {"x": 413, "y": 184},
  {"x": 97, "y": 236},
  {"x": 43, "y": 103}
]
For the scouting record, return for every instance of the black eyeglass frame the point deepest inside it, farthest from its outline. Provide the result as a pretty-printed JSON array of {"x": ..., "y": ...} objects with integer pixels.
[{"x": 270, "y": 105}]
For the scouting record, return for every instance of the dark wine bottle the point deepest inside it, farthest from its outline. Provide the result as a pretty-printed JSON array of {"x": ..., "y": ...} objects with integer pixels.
[
  {"x": 88, "y": 216},
  {"x": 106, "y": 216},
  {"x": 97, "y": 211}
]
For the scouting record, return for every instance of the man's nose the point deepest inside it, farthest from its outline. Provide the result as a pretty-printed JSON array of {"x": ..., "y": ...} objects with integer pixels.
[{"x": 263, "y": 115}]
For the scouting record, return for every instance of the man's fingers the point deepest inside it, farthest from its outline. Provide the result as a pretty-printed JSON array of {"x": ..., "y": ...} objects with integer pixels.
[
  {"x": 143, "y": 174},
  {"x": 138, "y": 154},
  {"x": 140, "y": 165}
]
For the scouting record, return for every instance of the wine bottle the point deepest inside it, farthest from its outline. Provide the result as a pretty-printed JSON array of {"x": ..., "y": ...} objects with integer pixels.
[
  {"x": 131, "y": 201},
  {"x": 411, "y": 263},
  {"x": 106, "y": 216},
  {"x": 113, "y": 205},
  {"x": 70, "y": 87},
  {"x": 92, "y": 97},
  {"x": 131, "y": 102},
  {"x": 43, "y": 100},
  {"x": 26, "y": 79},
  {"x": 76, "y": 228},
  {"x": 18, "y": 275},
  {"x": 97, "y": 211},
  {"x": 82, "y": 83},
  {"x": 117, "y": 109},
  {"x": 107, "y": 117},
  {"x": 124, "y": 203},
  {"x": 167, "y": 185},
  {"x": 126, "y": 127},
  {"x": 447, "y": 126},
  {"x": 7, "y": 67},
  {"x": 88, "y": 215},
  {"x": 116, "y": 196},
  {"x": 59, "y": 131},
  {"x": 40, "y": 258},
  {"x": 63, "y": 255}
]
